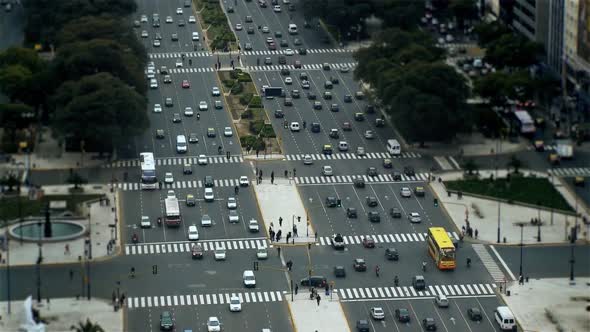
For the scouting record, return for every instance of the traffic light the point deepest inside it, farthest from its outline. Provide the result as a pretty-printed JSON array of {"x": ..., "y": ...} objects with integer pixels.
[
  {"x": 255, "y": 266},
  {"x": 435, "y": 202},
  {"x": 155, "y": 269}
]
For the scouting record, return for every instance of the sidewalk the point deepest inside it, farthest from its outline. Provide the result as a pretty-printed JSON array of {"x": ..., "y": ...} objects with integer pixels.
[
  {"x": 555, "y": 227},
  {"x": 63, "y": 313},
  {"x": 101, "y": 215},
  {"x": 281, "y": 200},
  {"x": 548, "y": 305},
  {"x": 308, "y": 316},
  {"x": 472, "y": 146}
]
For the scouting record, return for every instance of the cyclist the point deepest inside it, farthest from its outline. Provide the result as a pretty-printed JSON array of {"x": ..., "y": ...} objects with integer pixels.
[
  {"x": 132, "y": 272},
  {"x": 377, "y": 269},
  {"x": 190, "y": 62},
  {"x": 396, "y": 281},
  {"x": 468, "y": 261},
  {"x": 198, "y": 116},
  {"x": 236, "y": 189},
  {"x": 423, "y": 265},
  {"x": 219, "y": 149}
]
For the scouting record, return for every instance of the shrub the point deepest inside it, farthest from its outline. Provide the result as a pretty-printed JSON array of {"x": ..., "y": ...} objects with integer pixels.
[
  {"x": 247, "y": 114},
  {"x": 256, "y": 102},
  {"x": 228, "y": 83},
  {"x": 267, "y": 131},
  {"x": 247, "y": 141},
  {"x": 256, "y": 126},
  {"x": 244, "y": 78},
  {"x": 246, "y": 98},
  {"x": 237, "y": 89}
]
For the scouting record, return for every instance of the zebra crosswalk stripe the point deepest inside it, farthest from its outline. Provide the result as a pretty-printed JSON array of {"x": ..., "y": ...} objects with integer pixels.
[
  {"x": 489, "y": 262},
  {"x": 348, "y": 155},
  {"x": 570, "y": 171},
  {"x": 382, "y": 178},
  {"x": 203, "y": 299},
  {"x": 470, "y": 290},
  {"x": 382, "y": 238},
  {"x": 183, "y": 247},
  {"x": 175, "y": 161}
]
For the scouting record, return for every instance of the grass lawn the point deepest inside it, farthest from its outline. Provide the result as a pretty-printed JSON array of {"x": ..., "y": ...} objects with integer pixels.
[
  {"x": 536, "y": 191},
  {"x": 9, "y": 205}
]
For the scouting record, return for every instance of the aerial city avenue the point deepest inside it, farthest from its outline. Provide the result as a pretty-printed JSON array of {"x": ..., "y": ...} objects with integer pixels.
[{"x": 294, "y": 165}]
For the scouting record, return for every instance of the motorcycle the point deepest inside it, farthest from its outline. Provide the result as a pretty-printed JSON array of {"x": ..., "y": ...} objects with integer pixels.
[
  {"x": 159, "y": 221},
  {"x": 396, "y": 281},
  {"x": 134, "y": 238}
]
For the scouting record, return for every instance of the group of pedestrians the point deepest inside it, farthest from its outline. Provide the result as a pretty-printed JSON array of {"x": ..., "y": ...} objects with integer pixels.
[{"x": 469, "y": 231}]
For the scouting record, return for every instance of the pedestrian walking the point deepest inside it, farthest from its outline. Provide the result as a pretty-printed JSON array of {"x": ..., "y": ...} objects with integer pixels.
[
  {"x": 520, "y": 280},
  {"x": 296, "y": 288},
  {"x": 114, "y": 297},
  {"x": 278, "y": 236},
  {"x": 71, "y": 274},
  {"x": 67, "y": 249},
  {"x": 269, "y": 229},
  {"x": 295, "y": 231},
  {"x": 123, "y": 299},
  {"x": 476, "y": 233},
  {"x": 294, "y": 172},
  {"x": 318, "y": 298},
  {"x": 286, "y": 173},
  {"x": 287, "y": 237},
  {"x": 280, "y": 221}
]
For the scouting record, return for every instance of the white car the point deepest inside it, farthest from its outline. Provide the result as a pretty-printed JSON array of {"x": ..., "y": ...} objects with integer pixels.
[
  {"x": 249, "y": 278},
  {"x": 289, "y": 52},
  {"x": 307, "y": 160},
  {"x": 203, "y": 105},
  {"x": 171, "y": 194},
  {"x": 238, "y": 27},
  {"x": 295, "y": 126},
  {"x": 145, "y": 222},
  {"x": 202, "y": 160},
  {"x": 219, "y": 254},
  {"x": 327, "y": 170},
  {"x": 213, "y": 324},
  {"x": 151, "y": 73},
  {"x": 244, "y": 181},
  {"x": 169, "y": 19},
  {"x": 406, "y": 192},
  {"x": 188, "y": 111},
  {"x": 143, "y": 19},
  {"x": 276, "y": 9},
  {"x": 253, "y": 226},
  {"x": 233, "y": 216},
  {"x": 209, "y": 196},
  {"x": 156, "y": 43},
  {"x": 193, "y": 233},
  {"x": 227, "y": 132},
  {"x": 235, "y": 304},
  {"x": 191, "y": 19},
  {"x": 157, "y": 108},
  {"x": 414, "y": 217},
  {"x": 377, "y": 313},
  {"x": 206, "y": 221},
  {"x": 178, "y": 63},
  {"x": 288, "y": 80},
  {"x": 215, "y": 91},
  {"x": 262, "y": 253},
  {"x": 265, "y": 29},
  {"x": 232, "y": 203},
  {"x": 179, "y": 11},
  {"x": 144, "y": 34},
  {"x": 168, "y": 178},
  {"x": 441, "y": 301}
]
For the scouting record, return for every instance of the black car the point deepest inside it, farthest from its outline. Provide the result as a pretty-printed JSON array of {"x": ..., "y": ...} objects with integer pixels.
[
  {"x": 339, "y": 272},
  {"x": 374, "y": 216},
  {"x": 288, "y": 101},
  {"x": 359, "y": 265},
  {"x": 379, "y": 123},
  {"x": 372, "y": 171},
  {"x": 395, "y": 212},
  {"x": 187, "y": 169},
  {"x": 312, "y": 96},
  {"x": 284, "y": 43},
  {"x": 302, "y": 51},
  {"x": 474, "y": 314},
  {"x": 295, "y": 94},
  {"x": 285, "y": 72},
  {"x": 372, "y": 201},
  {"x": 282, "y": 60},
  {"x": 351, "y": 213},
  {"x": 362, "y": 325},
  {"x": 409, "y": 171},
  {"x": 316, "y": 104},
  {"x": 402, "y": 315},
  {"x": 387, "y": 163},
  {"x": 315, "y": 127},
  {"x": 316, "y": 281},
  {"x": 327, "y": 95},
  {"x": 279, "y": 114},
  {"x": 397, "y": 176},
  {"x": 166, "y": 322},
  {"x": 334, "y": 108},
  {"x": 391, "y": 254},
  {"x": 429, "y": 324},
  {"x": 331, "y": 201},
  {"x": 359, "y": 182},
  {"x": 334, "y": 80},
  {"x": 419, "y": 282},
  {"x": 370, "y": 109},
  {"x": 209, "y": 181},
  {"x": 347, "y": 98}
]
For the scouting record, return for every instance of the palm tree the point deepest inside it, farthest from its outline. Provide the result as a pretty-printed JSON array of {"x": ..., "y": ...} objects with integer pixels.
[
  {"x": 470, "y": 166},
  {"x": 76, "y": 179},
  {"x": 87, "y": 326},
  {"x": 514, "y": 163},
  {"x": 11, "y": 180}
]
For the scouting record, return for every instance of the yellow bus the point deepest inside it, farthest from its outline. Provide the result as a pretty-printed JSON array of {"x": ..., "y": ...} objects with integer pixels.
[{"x": 441, "y": 248}]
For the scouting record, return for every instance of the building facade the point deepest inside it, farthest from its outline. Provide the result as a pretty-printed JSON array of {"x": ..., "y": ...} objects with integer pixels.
[{"x": 576, "y": 55}]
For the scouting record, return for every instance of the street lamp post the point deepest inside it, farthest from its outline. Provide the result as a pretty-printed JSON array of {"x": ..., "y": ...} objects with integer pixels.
[
  {"x": 521, "y": 248},
  {"x": 499, "y": 202},
  {"x": 39, "y": 259},
  {"x": 89, "y": 256},
  {"x": 573, "y": 236}
]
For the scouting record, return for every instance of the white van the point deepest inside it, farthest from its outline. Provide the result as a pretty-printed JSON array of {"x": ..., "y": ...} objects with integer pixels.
[
  {"x": 195, "y": 36},
  {"x": 393, "y": 147},
  {"x": 505, "y": 318},
  {"x": 293, "y": 29},
  {"x": 181, "y": 146},
  {"x": 343, "y": 146},
  {"x": 249, "y": 278},
  {"x": 153, "y": 83}
]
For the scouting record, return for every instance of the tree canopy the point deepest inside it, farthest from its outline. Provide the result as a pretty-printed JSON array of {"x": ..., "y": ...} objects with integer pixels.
[{"x": 99, "y": 108}]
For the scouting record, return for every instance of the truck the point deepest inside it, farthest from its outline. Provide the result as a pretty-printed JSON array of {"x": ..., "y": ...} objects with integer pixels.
[
  {"x": 173, "y": 218},
  {"x": 564, "y": 149}
]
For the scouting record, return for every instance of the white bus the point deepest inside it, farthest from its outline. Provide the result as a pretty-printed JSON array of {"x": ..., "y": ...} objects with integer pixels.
[
  {"x": 148, "y": 171},
  {"x": 173, "y": 218},
  {"x": 525, "y": 122},
  {"x": 393, "y": 147}
]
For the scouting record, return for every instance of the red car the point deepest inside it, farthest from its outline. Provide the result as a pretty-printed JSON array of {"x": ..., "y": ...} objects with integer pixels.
[
  {"x": 368, "y": 242},
  {"x": 272, "y": 46},
  {"x": 186, "y": 84},
  {"x": 297, "y": 64}
]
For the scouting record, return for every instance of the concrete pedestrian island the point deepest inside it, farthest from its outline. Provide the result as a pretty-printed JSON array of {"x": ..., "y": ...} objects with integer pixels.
[
  {"x": 281, "y": 200},
  {"x": 307, "y": 315}
]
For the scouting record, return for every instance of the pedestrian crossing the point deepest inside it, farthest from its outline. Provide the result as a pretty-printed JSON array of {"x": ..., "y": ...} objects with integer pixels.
[
  {"x": 175, "y": 161},
  {"x": 546, "y": 147},
  {"x": 182, "y": 247},
  {"x": 312, "y": 51},
  {"x": 311, "y": 66},
  {"x": 178, "y": 55},
  {"x": 570, "y": 171},
  {"x": 203, "y": 299},
  {"x": 489, "y": 262},
  {"x": 345, "y": 294},
  {"x": 347, "y": 179},
  {"x": 369, "y": 155},
  {"x": 186, "y": 184},
  {"x": 404, "y": 292},
  {"x": 382, "y": 238},
  {"x": 447, "y": 162}
]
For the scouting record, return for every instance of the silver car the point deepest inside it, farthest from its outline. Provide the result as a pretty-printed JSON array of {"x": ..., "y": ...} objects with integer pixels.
[
  {"x": 206, "y": 221},
  {"x": 307, "y": 160},
  {"x": 233, "y": 216}
]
